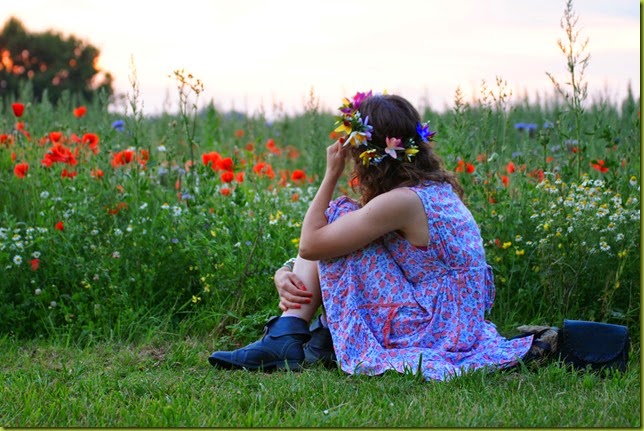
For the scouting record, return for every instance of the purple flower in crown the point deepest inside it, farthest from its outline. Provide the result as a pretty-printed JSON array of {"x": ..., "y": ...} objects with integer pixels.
[
  {"x": 347, "y": 107},
  {"x": 423, "y": 131},
  {"x": 359, "y": 98}
]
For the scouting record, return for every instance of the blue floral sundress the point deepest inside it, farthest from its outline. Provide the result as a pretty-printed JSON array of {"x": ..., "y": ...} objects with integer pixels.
[{"x": 395, "y": 306}]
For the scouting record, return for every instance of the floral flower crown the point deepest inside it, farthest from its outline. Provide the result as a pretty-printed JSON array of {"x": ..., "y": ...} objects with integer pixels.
[{"x": 359, "y": 131}]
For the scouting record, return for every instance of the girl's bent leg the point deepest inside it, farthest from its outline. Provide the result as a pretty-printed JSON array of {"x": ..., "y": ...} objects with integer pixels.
[
  {"x": 283, "y": 343},
  {"x": 320, "y": 347},
  {"x": 307, "y": 271}
]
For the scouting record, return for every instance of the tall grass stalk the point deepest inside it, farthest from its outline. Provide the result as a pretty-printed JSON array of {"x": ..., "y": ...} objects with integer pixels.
[{"x": 577, "y": 60}]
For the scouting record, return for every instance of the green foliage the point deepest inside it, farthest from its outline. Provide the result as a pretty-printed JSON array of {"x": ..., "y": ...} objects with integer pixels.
[
  {"x": 49, "y": 64},
  {"x": 182, "y": 220},
  {"x": 163, "y": 238}
]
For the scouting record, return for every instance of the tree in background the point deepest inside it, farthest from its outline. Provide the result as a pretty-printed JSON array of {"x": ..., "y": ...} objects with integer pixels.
[{"x": 49, "y": 62}]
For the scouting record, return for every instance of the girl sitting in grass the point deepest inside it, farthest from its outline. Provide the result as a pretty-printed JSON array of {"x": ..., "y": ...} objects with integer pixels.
[{"x": 402, "y": 274}]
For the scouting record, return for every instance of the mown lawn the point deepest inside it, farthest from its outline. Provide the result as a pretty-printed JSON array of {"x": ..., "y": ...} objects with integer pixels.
[{"x": 167, "y": 382}]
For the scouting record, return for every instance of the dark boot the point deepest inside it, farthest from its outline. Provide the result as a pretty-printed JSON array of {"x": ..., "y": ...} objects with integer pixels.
[
  {"x": 281, "y": 347},
  {"x": 320, "y": 346},
  {"x": 544, "y": 343}
]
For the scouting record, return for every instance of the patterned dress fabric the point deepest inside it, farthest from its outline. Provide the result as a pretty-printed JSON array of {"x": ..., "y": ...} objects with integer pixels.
[{"x": 395, "y": 306}]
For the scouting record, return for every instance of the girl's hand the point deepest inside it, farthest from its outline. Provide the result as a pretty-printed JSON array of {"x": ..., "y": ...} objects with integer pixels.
[
  {"x": 336, "y": 156},
  {"x": 291, "y": 290}
]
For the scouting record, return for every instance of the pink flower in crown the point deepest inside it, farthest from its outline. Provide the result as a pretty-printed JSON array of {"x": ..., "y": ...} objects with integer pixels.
[
  {"x": 359, "y": 98},
  {"x": 393, "y": 144}
]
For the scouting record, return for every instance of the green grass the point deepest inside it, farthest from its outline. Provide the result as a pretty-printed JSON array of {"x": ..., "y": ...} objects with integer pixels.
[{"x": 166, "y": 381}]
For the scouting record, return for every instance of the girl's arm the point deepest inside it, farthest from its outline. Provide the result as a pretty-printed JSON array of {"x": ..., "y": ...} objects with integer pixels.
[{"x": 398, "y": 209}]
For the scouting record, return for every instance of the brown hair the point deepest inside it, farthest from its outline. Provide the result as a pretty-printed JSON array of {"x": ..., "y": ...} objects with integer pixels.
[{"x": 394, "y": 117}]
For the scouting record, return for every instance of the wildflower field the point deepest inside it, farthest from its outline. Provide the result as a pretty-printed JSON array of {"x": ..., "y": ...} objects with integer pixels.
[{"x": 115, "y": 223}]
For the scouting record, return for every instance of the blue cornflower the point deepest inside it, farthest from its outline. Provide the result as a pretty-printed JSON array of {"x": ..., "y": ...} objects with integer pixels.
[
  {"x": 423, "y": 131},
  {"x": 520, "y": 126},
  {"x": 531, "y": 128},
  {"x": 118, "y": 125}
]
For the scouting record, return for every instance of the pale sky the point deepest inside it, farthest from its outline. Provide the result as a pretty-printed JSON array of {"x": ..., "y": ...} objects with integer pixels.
[{"x": 253, "y": 55}]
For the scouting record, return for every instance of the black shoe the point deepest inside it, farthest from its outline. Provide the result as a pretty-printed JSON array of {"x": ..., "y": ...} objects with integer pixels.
[
  {"x": 544, "y": 342},
  {"x": 281, "y": 347},
  {"x": 320, "y": 346}
]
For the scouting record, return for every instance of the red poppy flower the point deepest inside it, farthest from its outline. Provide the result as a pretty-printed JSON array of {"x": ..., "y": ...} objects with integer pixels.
[
  {"x": 463, "y": 166},
  {"x": 283, "y": 178},
  {"x": 122, "y": 158},
  {"x": 20, "y": 170},
  {"x": 68, "y": 174},
  {"x": 240, "y": 177},
  {"x": 225, "y": 164},
  {"x": 97, "y": 173},
  {"x": 55, "y": 136},
  {"x": 6, "y": 139},
  {"x": 210, "y": 159},
  {"x": 144, "y": 156},
  {"x": 505, "y": 179},
  {"x": 298, "y": 175},
  {"x": 35, "y": 264},
  {"x": 250, "y": 147},
  {"x": 599, "y": 166},
  {"x": 227, "y": 177},
  {"x": 80, "y": 111},
  {"x": 117, "y": 208},
  {"x": 538, "y": 174},
  {"x": 510, "y": 168},
  {"x": 270, "y": 146},
  {"x": 295, "y": 197},
  {"x": 91, "y": 140},
  {"x": 354, "y": 182},
  {"x": 18, "y": 109},
  {"x": 59, "y": 226},
  {"x": 264, "y": 169},
  {"x": 20, "y": 127},
  {"x": 239, "y": 133},
  {"x": 225, "y": 191},
  {"x": 59, "y": 154}
]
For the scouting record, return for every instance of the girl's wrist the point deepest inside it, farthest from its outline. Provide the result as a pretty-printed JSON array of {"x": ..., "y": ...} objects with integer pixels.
[{"x": 289, "y": 264}]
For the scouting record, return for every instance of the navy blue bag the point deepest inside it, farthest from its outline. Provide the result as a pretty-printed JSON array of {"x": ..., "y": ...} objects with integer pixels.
[{"x": 596, "y": 345}]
